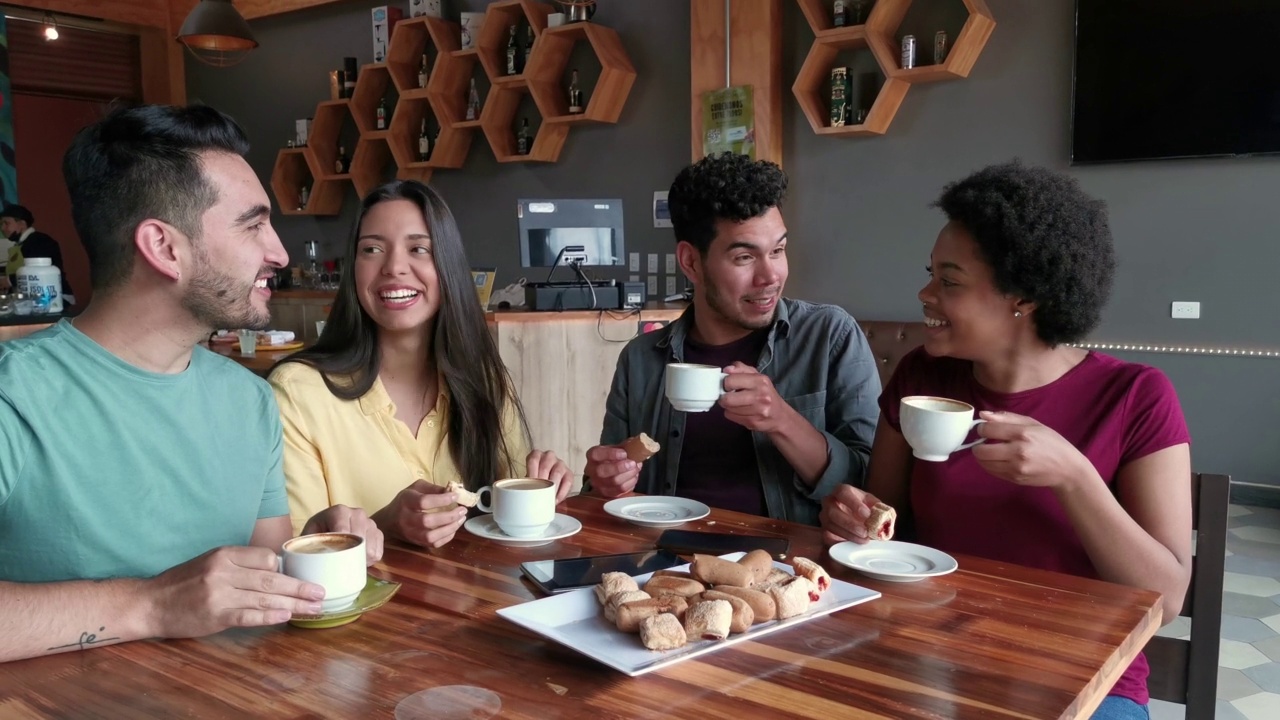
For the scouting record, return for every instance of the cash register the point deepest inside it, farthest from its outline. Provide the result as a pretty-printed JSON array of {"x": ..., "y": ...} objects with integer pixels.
[{"x": 573, "y": 235}]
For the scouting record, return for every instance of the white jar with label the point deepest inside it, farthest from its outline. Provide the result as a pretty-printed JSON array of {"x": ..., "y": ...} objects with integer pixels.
[{"x": 42, "y": 282}]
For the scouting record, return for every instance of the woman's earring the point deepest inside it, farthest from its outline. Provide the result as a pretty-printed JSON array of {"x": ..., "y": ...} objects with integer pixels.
[{"x": 1017, "y": 313}]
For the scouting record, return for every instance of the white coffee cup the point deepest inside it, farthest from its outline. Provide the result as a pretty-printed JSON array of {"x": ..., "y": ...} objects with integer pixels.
[
  {"x": 935, "y": 427},
  {"x": 335, "y": 561},
  {"x": 694, "y": 388},
  {"x": 555, "y": 19},
  {"x": 522, "y": 507}
]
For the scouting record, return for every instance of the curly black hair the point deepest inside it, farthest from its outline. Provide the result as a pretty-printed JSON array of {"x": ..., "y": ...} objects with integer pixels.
[
  {"x": 1045, "y": 240},
  {"x": 727, "y": 186}
]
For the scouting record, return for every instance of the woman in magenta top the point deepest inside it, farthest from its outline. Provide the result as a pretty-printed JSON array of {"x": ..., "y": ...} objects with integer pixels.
[{"x": 1086, "y": 469}]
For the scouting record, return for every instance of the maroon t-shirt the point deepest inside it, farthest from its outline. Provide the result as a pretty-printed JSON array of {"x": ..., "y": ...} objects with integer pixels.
[
  {"x": 718, "y": 460},
  {"x": 1113, "y": 411}
]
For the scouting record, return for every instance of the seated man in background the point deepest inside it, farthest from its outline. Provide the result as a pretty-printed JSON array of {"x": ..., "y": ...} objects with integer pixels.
[
  {"x": 141, "y": 485},
  {"x": 799, "y": 408}
]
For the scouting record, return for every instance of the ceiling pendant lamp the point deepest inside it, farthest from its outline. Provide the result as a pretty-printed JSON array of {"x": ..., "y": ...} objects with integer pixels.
[{"x": 216, "y": 33}]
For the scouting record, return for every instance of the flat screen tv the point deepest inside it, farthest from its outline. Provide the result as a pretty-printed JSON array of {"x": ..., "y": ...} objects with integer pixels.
[{"x": 1175, "y": 79}]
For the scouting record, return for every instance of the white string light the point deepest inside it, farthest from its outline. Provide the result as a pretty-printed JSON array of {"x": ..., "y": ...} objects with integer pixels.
[{"x": 1179, "y": 350}]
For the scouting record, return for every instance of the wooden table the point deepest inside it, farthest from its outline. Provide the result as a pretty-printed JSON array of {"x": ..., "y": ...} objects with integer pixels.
[
  {"x": 261, "y": 362},
  {"x": 991, "y": 641}
]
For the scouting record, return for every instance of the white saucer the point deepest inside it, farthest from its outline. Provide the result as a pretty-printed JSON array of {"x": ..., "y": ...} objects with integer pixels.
[
  {"x": 486, "y": 527},
  {"x": 893, "y": 561},
  {"x": 657, "y": 510}
]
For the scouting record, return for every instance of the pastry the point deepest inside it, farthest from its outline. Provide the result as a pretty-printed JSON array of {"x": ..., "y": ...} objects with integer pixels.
[
  {"x": 792, "y": 598},
  {"x": 614, "y": 582},
  {"x": 665, "y": 585},
  {"x": 708, "y": 620},
  {"x": 640, "y": 447},
  {"x": 763, "y": 607},
  {"x": 616, "y": 599},
  {"x": 631, "y": 614},
  {"x": 816, "y": 574},
  {"x": 465, "y": 496},
  {"x": 760, "y": 563},
  {"x": 662, "y": 632},
  {"x": 880, "y": 522},
  {"x": 718, "y": 571},
  {"x": 743, "y": 616}
]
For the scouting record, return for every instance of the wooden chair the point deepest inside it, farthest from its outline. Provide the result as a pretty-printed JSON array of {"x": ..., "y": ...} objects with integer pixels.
[{"x": 1186, "y": 671}]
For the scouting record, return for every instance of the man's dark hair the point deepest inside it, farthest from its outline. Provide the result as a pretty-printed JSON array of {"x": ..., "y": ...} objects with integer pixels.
[
  {"x": 18, "y": 212},
  {"x": 1045, "y": 240},
  {"x": 727, "y": 186},
  {"x": 140, "y": 163}
]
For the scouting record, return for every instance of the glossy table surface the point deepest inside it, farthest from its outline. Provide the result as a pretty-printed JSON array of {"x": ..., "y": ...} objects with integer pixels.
[{"x": 990, "y": 640}]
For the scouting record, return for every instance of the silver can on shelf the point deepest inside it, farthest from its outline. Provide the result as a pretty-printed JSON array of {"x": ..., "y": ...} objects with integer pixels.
[
  {"x": 908, "y": 52},
  {"x": 940, "y": 47}
]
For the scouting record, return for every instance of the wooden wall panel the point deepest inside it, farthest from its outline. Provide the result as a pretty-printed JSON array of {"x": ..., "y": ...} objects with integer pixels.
[
  {"x": 146, "y": 13},
  {"x": 755, "y": 29},
  {"x": 81, "y": 64}
]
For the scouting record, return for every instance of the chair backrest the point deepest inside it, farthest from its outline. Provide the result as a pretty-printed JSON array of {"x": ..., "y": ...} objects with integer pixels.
[
  {"x": 889, "y": 341},
  {"x": 1186, "y": 671}
]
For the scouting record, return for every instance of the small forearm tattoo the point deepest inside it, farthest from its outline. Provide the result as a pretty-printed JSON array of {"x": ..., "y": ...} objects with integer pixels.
[{"x": 87, "y": 639}]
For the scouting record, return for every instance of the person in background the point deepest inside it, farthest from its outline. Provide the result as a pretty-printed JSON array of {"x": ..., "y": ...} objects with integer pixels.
[
  {"x": 1086, "y": 469},
  {"x": 799, "y": 407},
  {"x": 19, "y": 226},
  {"x": 159, "y": 510},
  {"x": 404, "y": 392}
]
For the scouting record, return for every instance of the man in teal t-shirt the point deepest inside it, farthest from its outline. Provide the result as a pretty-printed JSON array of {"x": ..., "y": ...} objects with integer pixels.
[{"x": 141, "y": 486}]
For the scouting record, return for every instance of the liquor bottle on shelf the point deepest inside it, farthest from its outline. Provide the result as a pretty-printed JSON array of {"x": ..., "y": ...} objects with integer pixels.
[
  {"x": 524, "y": 140},
  {"x": 859, "y": 14},
  {"x": 381, "y": 120},
  {"x": 473, "y": 102},
  {"x": 311, "y": 271},
  {"x": 838, "y": 15},
  {"x": 422, "y": 72},
  {"x": 514, "y": 58},
  {"x": 342, "y": 163},
  {"x": 304, "y": 196},
  {"x": 528, "y": 49},
  {"x": 424, "y": 143},
  {"x": 575, "y": 94}
]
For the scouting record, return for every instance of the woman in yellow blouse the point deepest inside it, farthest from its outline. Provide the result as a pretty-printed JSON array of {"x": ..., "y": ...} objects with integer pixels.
[{"x": 404, "y": 391}]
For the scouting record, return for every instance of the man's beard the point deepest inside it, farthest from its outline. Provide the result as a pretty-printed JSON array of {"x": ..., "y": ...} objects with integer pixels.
[
  {"x": 218, "y": 300},
  {"x": 716, "y": 301}
]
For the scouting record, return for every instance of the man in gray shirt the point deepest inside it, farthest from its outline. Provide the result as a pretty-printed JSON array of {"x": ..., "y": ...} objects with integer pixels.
[{"x": 799, "y": 409}]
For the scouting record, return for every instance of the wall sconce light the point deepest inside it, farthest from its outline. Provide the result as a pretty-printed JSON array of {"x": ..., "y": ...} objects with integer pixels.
[
  {"x": 50, "y": 27},
  {"x": 216, "y": 33}
]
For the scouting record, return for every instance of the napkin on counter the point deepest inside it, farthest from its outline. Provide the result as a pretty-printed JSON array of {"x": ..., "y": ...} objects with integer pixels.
[{"x": 275, "y": 337}]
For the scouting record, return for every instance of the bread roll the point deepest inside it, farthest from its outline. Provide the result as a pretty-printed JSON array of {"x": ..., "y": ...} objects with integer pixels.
[
  {"x": 816, "y": 574},
  {"x": 614, "y": 582},
  {"x": 640, "y": 447},
  {"x": 616, "y": 599},
  {"x": 673, "y": 573},
  {"x": 792, "y": 598},
  {"x": 665, "y": 585},
  {"x": 718, "y": 571},
  {"x": 880, "y": 522},
  {"x": 743, "y": 616},
  {"x": 709, "y": 620},
  {"x": 760, "y": 563},
  {"x": 662, "y": 632},
  {"x": 631, "y": 614},
  {"x": 777, "y": 575},
  {"x": 763, "y": 608}
]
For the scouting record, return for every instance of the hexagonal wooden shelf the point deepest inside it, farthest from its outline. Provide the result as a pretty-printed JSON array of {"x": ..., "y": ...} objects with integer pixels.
[
  {"x": 546, "y": 68},
  {"x": 887, "y": 18},
  {"x": 494, "y": 34},
  {"x": 497, "y": 119},
  {"x": 812, "y": 87},
  {"x": 445, "y": 99},
  {"x": 819, "y": 15},
  {"x": 293, "y": 171}
]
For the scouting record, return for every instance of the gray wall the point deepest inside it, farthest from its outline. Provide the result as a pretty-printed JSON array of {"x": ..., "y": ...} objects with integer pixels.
[{"x": 858, "y": 213}]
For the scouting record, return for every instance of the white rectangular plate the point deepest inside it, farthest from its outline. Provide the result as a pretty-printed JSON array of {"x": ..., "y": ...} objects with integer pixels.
[{"x": 576, "y": 620}]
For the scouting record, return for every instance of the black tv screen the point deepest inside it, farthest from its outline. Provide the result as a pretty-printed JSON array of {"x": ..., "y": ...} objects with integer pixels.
[{"x": 1175, "y": 79}]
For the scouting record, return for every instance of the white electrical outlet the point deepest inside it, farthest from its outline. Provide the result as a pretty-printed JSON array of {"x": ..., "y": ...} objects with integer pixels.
[
  {"x": 1185, "y": 311},
  {"x": 635, "y": 262},
  {"x": 653, "y": 285},
  {"x": 653, "y": 263},
  {"x": 633, "y": 278},
  {"x": 671, "y": 264},
  {"x": 671, "y": 286}
]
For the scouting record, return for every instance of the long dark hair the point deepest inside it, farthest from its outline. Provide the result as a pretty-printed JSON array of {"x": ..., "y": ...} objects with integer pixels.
[{"x": 347, "y": 355}]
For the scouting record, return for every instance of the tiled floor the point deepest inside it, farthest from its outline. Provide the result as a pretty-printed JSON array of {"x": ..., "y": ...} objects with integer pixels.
[{"x": 1249, "y": 660}]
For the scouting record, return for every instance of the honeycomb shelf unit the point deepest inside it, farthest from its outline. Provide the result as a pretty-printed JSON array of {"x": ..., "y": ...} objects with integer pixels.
[
  {"x": 880, "y": 34},
  {"x": 379, "y": 154}
]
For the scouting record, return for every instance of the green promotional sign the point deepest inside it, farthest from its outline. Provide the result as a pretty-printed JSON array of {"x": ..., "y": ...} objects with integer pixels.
[{"x": 728, "y": 123}]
